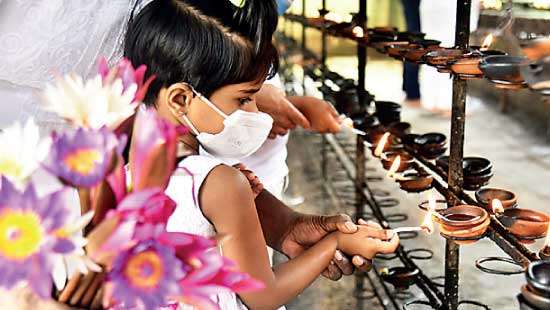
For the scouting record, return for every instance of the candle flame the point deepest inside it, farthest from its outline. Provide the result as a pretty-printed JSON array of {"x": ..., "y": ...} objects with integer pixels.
[
  {"x": 358, "y": 32},
  {"x": 428, "y": 223},
  {"x": 497, "y": 206},
  {"x": 395, "y": 166},
  {"x": 487, "y": 42},
  {"x": 333, "y": 17},
  {"x": 381, "y": 144}
]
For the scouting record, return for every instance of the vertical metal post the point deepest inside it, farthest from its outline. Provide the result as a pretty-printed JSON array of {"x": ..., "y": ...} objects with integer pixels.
[
  {"x": 304, "y": 45},
  {"x": 324, "y": 54},
  {"x": 360, "y": 157},
  {"x": 456, "y": 173}
]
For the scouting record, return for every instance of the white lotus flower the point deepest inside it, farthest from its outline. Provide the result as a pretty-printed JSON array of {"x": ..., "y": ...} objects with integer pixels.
[
  {"x": 91, "y": 104},
  {"x": 21, "y": 151},
  {"x": 67, "y": 265}
]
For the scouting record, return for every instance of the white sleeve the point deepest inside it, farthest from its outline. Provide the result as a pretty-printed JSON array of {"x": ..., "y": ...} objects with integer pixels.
[{"x": 275, "y": 81}]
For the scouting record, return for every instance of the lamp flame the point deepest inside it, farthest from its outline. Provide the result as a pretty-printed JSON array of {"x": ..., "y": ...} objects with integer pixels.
[
  {"x": 358, "y": 32},
  {"x": 381, "y": 144},
  {"x": 547, "y": 242},
  {"x": 428, "y": 223},
  {"x": 487, "y": 42},
  {"x": 497, "y": 206},
  {"x": 395, "y": 166},
  {"x": 333, "y": 17}
]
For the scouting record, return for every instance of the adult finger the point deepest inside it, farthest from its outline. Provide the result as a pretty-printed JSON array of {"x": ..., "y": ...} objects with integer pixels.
[
  {"x": 340, "y": 222},
  {"x": 361, "y": 263},
  {"x": 343, "y": 263},
  {"x": 279, "y": 131}
]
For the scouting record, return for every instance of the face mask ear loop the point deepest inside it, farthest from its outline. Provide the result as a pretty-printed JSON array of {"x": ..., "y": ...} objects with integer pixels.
[
  {"x": 210, "y": 104},
  {"x": 188, "y": 121}
]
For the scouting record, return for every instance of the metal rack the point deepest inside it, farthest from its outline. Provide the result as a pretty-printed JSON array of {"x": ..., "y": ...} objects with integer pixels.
[{"x": 450, "y": 184}]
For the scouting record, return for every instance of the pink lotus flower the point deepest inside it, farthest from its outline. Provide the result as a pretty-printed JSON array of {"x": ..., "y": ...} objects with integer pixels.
[
  {"x": 83, "y": 158},
  {"x": 128, "y": 75},
  {"x": 153, "y": 150},
  {"x": 29, "y": 238}
]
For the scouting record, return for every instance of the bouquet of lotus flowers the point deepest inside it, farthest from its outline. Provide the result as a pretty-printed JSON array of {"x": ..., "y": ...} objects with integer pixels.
[{"x": 98, "y": 231}]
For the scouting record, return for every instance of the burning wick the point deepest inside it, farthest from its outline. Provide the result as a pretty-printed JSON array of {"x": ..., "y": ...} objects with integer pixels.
[
  {"x": 358, "y": 32},
  {"x": 348, "y": 123},
  {"x": 381, "y": 144},
  {"x": 487, "y": 42},
  {"x": 428, "y": 222},
  {"x": 497, "y": 206},
  {"x": 394, "y": 167}
]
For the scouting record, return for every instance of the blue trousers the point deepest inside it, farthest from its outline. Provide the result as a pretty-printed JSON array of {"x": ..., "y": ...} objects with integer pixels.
[{"x": 410, "y": 70}]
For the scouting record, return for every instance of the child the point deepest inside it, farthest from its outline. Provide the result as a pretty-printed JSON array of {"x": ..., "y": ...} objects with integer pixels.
[{"x": 207, "y": 79}]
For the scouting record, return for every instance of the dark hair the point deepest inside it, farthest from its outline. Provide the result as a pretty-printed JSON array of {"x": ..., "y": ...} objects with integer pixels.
[
  {"x": 180, "y": 44},
  {"x": 255, "y": 19}
]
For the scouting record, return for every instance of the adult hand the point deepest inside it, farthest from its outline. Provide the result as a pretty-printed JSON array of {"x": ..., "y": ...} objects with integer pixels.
[
  {"x": 306, "y": 230},
  {"x": 272, "y": 100},
  {"x": 320, "y": 114},
  {"x": 255, "y": 183}
]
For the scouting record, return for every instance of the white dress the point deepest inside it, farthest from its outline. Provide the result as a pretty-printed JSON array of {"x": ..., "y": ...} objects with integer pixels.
[
  {"x": 188, "y": 217},
  {"x": 40, "y": 39}
]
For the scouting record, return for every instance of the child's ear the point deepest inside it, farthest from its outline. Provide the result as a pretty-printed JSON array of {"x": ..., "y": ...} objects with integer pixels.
[{"x": 179, "y": 97}]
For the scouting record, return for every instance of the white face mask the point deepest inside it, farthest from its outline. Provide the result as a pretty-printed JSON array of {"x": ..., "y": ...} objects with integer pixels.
[{"x": 242, "y": 135}]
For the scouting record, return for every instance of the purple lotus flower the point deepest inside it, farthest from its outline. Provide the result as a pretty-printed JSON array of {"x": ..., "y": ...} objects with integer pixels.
[
  {"x": 128, "y": 75},
  {"x": 83, "y": 158},
  {"x": 153, "y": 150},
  {"x": 29, "y": 236},
  {"x": 145, "y": 276}
]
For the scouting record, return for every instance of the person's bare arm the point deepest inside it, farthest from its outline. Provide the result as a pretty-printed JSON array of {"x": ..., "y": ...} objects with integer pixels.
[{"x": 227, "y": 200}]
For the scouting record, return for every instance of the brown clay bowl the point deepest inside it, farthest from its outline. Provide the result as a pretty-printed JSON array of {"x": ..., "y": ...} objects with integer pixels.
[
  {"x": 441, "y": 57},
  {"x": 534, "y": 299},
  {"x": 416, "y": 55},
  {"x": 389, "y": 157},
  {"x": 431, "y": 145},
  {"x": 400, "y": 277},
  {"x": 381, "y": 46},
  {"x": 467, "y": 66},
  {"x": 472, "y": 233},
  {"x": 536, "y": 48},
  {"x": 475, "y": 182},
  {"x": 525, "y": 223},
  {"x": 384, "y": 30},
  {"x": 503, "y": 68},
  {"x": 462, "y": 217},
  {"x": 415, "y": 182},
  {"x": 400, "y": 129},
  {"x": 485, "y": 197}
]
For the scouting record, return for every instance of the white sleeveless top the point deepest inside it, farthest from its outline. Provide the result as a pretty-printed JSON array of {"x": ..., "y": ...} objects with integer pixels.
[{"x": 184, "y": 189}]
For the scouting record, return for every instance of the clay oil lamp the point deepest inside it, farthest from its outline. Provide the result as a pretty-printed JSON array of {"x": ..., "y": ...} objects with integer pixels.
[
  {"x": 544, "y": 253},
  {"x": 396, "y": 162},
  {"x": 441, "y": 57},
  {"x": 399, "y": 129},
  {"x": 428, "y": 43},
  {"x": 431, "y": 145},
  {"x": 408, "y": 141},
  {"x": 410, "y": 36},
  {"x": 400, "y": 277},
  {"x": 477, "y": 171},
  {"x": 531, "y": 300},
  {"x": 415, "y": 182},
  {"x": 397, "y": 51},
  {"x": 417, "y": 55},
  {"x": 538, "y": 279},
  {"x": 504, "y": 70},
  {"x": 382, "y": 46},
  {"x": 384, "y": 30},
  {"x": 537, "y": 75},
  {"x": 467, "y": 66},
  {"x": 388, "y": 112},
  {"x": 384, "y": 142},
  {"x": 525, "y": 224},
  {"x": 464, "y": 224},
  {"x": 486, "y": 196},
  {"x": 536, "y": 48}
]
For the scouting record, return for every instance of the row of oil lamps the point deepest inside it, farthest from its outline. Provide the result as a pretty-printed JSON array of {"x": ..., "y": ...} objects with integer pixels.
[{"x": 504, "y": 71}]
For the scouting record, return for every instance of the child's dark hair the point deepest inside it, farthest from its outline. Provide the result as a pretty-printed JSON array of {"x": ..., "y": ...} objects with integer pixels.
[{"x": 180, "y": 44}]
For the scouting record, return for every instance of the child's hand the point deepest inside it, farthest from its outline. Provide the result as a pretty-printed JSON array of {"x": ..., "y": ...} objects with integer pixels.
[
  {"x": 368, "y": 241},
  {"x": 255, "y": 183}
]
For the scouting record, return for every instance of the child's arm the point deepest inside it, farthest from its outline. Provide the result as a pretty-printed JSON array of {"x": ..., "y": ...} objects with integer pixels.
[{"x": 227, "y": 201}]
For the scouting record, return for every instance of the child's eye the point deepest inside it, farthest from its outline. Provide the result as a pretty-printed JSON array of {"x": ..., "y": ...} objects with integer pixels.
[{"x": 244, "y": 101}]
